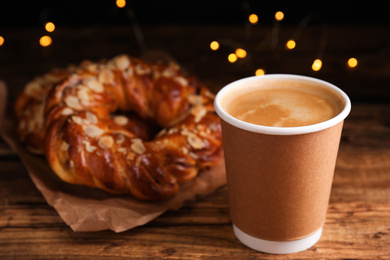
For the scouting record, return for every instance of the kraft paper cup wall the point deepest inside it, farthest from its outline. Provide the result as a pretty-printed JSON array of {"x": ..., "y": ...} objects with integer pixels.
[{"x": 279, "y": 178}]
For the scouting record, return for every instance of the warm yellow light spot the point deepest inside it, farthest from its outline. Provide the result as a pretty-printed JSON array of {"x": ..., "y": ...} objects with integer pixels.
[
  {"x": 214, "y": 45},
  {"x": 352, "y": 62},
  {"x": 1, "y": 40},
  {"x": 45, "y": 41},
  {"x": 232, "y": 57},
  {"x": 50, "y": 27},
  {"x": 253, "y": 19},
  {"x": 317, "y": 64},
  {"x": 241, "y": 53},
  {"x": 260, "y": 72},
  {"x": 279, "y": 15},
  {"x": 291, "y": 44},
  {"x": 121, "y": 3}
]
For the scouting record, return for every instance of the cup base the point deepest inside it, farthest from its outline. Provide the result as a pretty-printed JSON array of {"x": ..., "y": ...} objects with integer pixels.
[{"x": 277, "y": 247}]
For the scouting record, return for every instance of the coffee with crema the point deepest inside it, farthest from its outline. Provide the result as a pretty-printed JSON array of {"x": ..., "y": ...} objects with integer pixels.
[{"x": 285, "y": 104}]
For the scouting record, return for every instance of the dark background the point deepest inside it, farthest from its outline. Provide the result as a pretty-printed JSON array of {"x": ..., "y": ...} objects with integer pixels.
[
  {"x": 76, "y": 13},
  {"x": 336, "y": 31}
]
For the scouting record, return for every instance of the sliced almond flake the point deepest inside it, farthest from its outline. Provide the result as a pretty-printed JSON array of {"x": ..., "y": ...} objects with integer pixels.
[
  {"x": 200, "y": 127},
  {"x": 88, "y": 147},
  {"x": 195, "y": 99},
  {"x": 92, "y": 67},
  {"x": 121, "y": 120},
  {"x": 162, "y": 132},
  {"x": 130, "y": 155},
  {"x": 120, "y": 139},
  {"x": 198, "y": 112},
  {"x": 129, "y": 72},
  {"x": 73, "y": 102},
  {"x": 209, "y": 94},
  {"x": 71, "y": 164},
  {"x": 67, "y": 111},
  {"x": 92, "y": 131},
  {"x": 91, "y": 117},
  {"x": 64, "y": 146},
  {"x": 78, "y": 120},
  {"x": 106, "y": 76},
  {"x": 213, "y": 127},
  {"x": 203, "y": 133},
  {"x": 184, "y": 150},
  {"x": 122, "y": 62},
  {"x": 174, "y": 66},
  {"x": 137, "y": 146},
  {"x": 185, "y": 132},
  {"x": 173, "y": 130},
  {"x": 94, "y": 85},
  {"x": 106, "y": 142},
  {"x": 141, "y": 70},
  {"x": 122, "y": 150},
  {"x": 83, "y": 96},
  {"x": 181, "y": 80},
  {"x": 168, "y": 73},
  {"x": 34, "y": 89},
  {"x": 195, "y": 141},
  {"x": 193, "y": 155}
]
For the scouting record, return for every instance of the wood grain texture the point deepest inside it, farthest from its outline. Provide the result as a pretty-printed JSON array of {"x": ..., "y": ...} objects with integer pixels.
[
  {"x": 358, "y": 219},
  {"x": 357, "y": 225}
]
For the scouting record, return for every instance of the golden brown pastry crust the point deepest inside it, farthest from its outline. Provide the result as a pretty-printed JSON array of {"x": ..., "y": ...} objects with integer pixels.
[{"x": 72, "y": 116}]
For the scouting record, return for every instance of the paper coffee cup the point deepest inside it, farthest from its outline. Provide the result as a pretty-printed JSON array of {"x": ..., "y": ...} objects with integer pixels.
[{"x": 279, "y": 178}]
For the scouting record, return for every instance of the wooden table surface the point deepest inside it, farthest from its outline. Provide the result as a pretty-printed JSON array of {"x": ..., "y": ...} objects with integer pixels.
[{"x": 358, "y": 219}]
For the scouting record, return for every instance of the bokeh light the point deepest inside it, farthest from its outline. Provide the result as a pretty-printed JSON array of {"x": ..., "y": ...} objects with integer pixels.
[
  {"x": 291, "y": 44},
  {"x": 214, "y": 45},
  {"x": 45, "y": 41},
  {"x": 253, "y": 18},
  {"x": 260, "y": 72},
  {"x": 352, "y": 62},
  {"x": 317, "y": 64},
  {"x": 232, "y": 57},
  {"x": 279, "y": 15},
  {"x": 50, "y": 27},
  {"x": 121, "y": 3},
  {"x": 1, "y": 40},
  {"x": 241, "y": 53}
]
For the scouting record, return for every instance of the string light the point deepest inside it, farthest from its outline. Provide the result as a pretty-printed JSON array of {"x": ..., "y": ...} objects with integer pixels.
[
  {"x": 260, "y": 72},
  {"x": 1, "y": 40},
  {"x": 271, "y": 40},
  {"x": 290, "y": 44},
  {"x": 352, "y": 62},
  {"x": 214, "y": 45},
  {"x": 279, "y": 15},
  {"x": 232, "y": 58},
  {"x": 121, "y": 3},
  {"x": 253, "y": 19},
  {"x": 50, "y": 27},
  {"x": 317, "y": 64},
  {"x": 241, "y": 53},
  {"x": 45, "y": 41}
]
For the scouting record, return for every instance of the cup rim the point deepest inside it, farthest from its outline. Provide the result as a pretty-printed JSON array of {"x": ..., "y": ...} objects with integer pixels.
[{"x": 281, "y": 130}]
